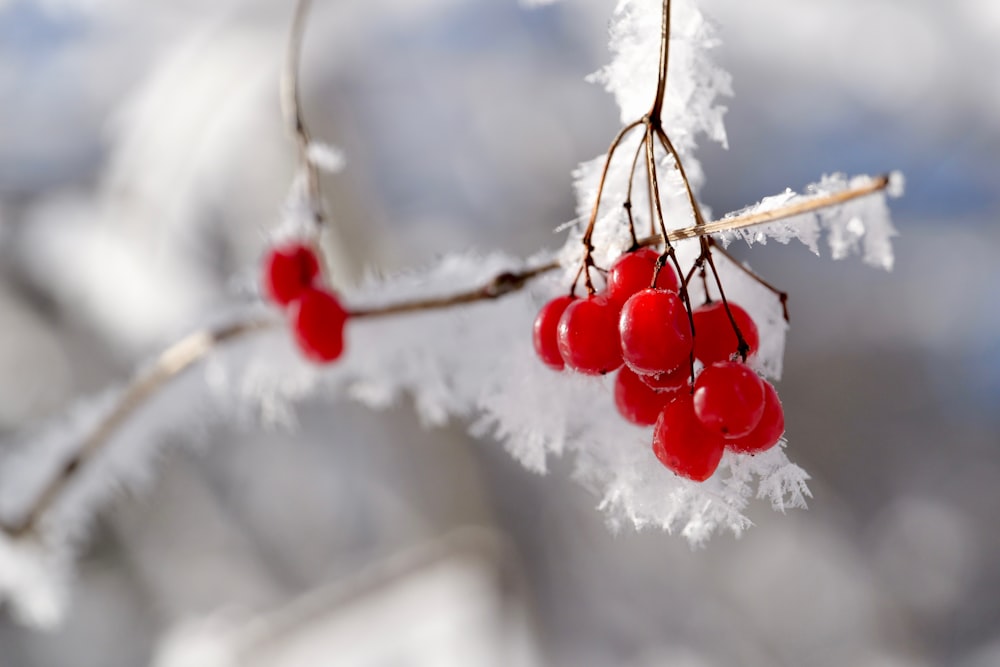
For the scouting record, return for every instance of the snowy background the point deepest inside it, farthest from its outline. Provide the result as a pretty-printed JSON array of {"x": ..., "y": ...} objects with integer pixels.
[{"x": 142, "y": 159}]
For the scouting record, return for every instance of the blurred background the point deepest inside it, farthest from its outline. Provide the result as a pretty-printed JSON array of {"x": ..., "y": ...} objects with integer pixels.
[{"x": 142, "y": 159}]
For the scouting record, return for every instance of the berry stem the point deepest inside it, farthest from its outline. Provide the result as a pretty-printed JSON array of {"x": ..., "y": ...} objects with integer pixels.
[
  {"x": 589, "y": 232},
  {"x": 627, "y": 204},
  {"x": 741, "y": 344},
  {"x": 668, "y": 146},
  {"x": 654, "y": 187},
  {"x": 500, "y": 285},
  {"x": 661, "y": 80},
  {"x": 291, "y": 104},
  {"x": 782, "y": 296}
]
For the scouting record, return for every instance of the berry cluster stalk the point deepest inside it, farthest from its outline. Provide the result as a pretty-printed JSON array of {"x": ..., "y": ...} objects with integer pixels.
[{"x": 653, "y": 132}]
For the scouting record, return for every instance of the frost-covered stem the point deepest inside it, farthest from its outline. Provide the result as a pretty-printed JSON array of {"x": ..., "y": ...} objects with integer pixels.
[
  {"x": 501, "y": 285},
  {"x": 742, "y": 347},
  {"x": 589, "y": 232},
  {"x": 172, "y": 362},
  {"x": 654, "y": 188},
  {"x": 706, "y": 251},
  {"x": 735, "y": 222},
  {"x": 627, "y": 204},
  {"x": 669, "y": 147},
  {"x": 661, "y": 78},
  {"x": 654, "y": 193},
  {"x": 782, "y": 296},
  {"x": 291, "y": 103}
]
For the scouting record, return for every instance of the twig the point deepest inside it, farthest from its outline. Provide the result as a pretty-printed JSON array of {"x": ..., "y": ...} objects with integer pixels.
[
  {"x": 500, "y": 285},
  {"x": 291, "y": 106},
  {"x": 172, "y": 362},
  {"x": 735, "y": 222}
]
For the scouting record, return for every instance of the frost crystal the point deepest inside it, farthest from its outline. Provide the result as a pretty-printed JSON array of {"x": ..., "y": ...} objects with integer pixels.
[{"x": 861, "y": 225}]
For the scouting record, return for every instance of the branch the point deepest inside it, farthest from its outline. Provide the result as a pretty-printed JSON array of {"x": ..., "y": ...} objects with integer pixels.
[
  {"x": 190, "y": 350},
  {"x": 172, "y": 362},
  {"x": 291, "y": 107},
  {"x": 878, "y": 184}
]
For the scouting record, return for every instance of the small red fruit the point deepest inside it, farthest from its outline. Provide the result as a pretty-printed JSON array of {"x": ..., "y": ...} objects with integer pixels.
[
  {"x": 682, "y": 444},
  {"x": 633, "y": 271},
  {"x": 637, "y": 402},
  {"x": 729, "y": 398},
  {"x": 318, "y": 320},
  {"x": 655, "y": 332},
  {"x": 767, "y": 433},
  {"x": 588, "y": 336},
  {"x": 671, "y": 381},
  {"x": 289, "y": 270},
  {"x": 715, "y": 339},
  {"x": 546, "y": 329}
]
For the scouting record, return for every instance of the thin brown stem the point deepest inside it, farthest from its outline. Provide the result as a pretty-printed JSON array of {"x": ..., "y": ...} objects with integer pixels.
[
  {"x": 500, "y": 285},
  {"x": 654, "y": 187},
  {"x": 692, "y": 200},
  {"x": 782, "y": 296},
  {"x": 742, "y": 347},
  {"x": 661, "y": 78},
  {"x": 291, "y": 104},
  {"x": 628, "y": 193},
  {"x": 588, "y": 234},
  {"x": 735, "y": 222},
  {"x": 622, "y": 133}
]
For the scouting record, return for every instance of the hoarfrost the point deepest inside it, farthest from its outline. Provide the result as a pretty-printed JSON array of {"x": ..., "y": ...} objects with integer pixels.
[{"x": 861, "y": 225}]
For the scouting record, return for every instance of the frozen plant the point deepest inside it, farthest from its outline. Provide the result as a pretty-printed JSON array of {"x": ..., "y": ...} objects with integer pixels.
[{"x": 682, "y": 437}]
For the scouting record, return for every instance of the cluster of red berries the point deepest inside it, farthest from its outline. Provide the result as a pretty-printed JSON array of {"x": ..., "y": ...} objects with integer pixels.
[
  {"x": 292, "y": 280},
  {"x": 647, "y": 333}
]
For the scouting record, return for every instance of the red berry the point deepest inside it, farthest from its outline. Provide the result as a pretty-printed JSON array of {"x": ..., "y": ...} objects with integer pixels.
[
  {"x": 637, "y": 402},
  {"x": 588, "y": 336},
  {"x": 655, "y": 332},
  {"x": 671, "y": 381},
  {"x": 289, "y": 270},
  {"x": 767, "y": 433},
  {"x": 633, "y": 272},
  {"x": 729, "y": 398},
  {"x": 546, "y": 332},
  {"x": 318, "y": 321},
  {"x": 714, "y": 338},
  {"x": 682, "y": 444}
]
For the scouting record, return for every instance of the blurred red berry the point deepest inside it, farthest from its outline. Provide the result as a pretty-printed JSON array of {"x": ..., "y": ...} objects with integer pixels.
[
  {"x": 318, "y": 320},
  {"x": 289, "y": 270}
]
